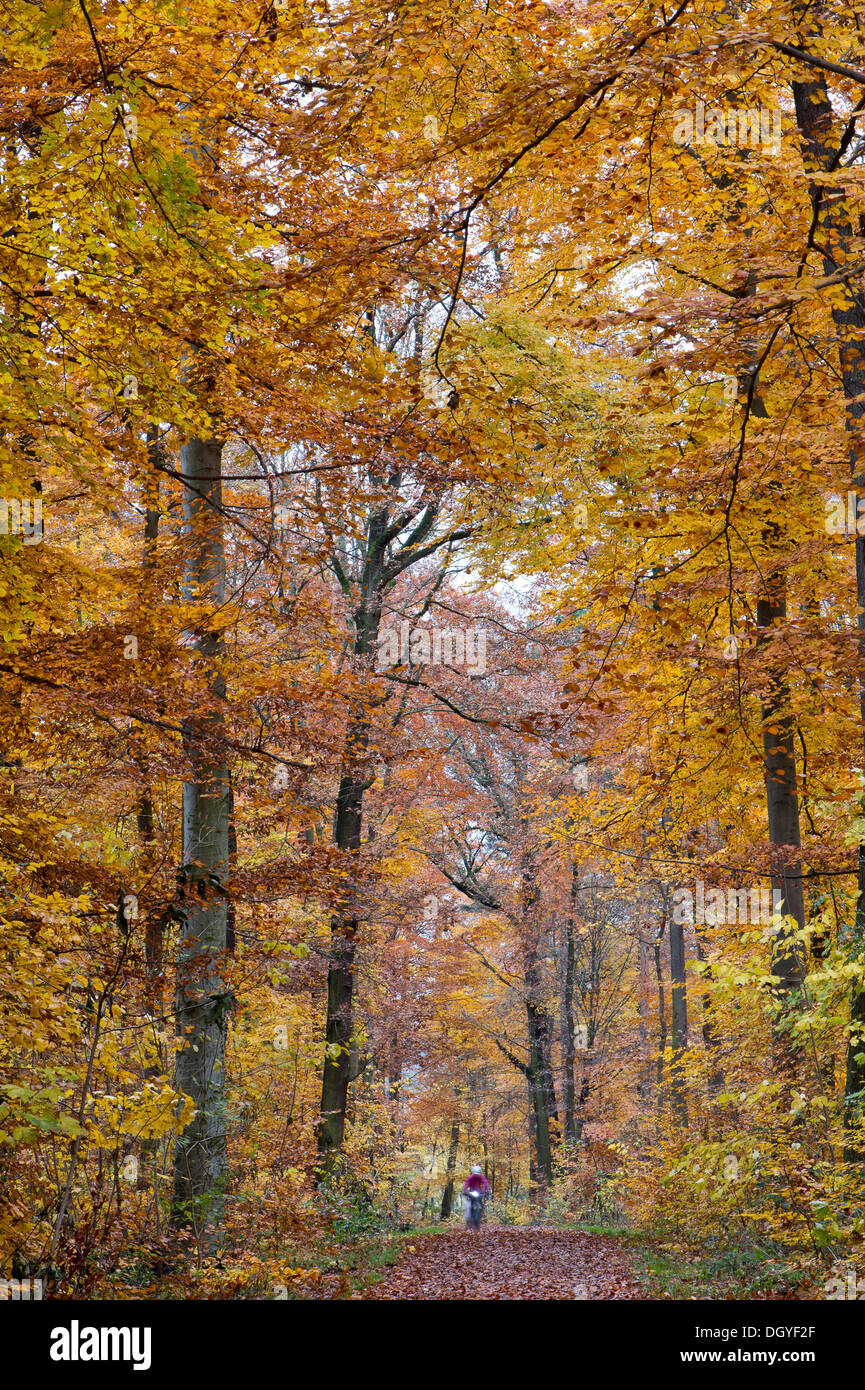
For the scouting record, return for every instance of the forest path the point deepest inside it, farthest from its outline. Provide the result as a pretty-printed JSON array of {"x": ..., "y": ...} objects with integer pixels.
[{"x": 510, "y": 1262}]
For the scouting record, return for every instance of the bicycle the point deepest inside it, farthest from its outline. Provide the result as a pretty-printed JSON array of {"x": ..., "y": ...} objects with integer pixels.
[{"x": 476, "y": 1211}]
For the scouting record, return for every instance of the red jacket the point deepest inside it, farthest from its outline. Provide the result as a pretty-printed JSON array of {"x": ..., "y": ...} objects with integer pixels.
[{"x": 476, "y": 1182}]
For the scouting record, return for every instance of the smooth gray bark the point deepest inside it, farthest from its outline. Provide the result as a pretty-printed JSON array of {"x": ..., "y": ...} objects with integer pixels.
[
  {"x": 679, "y": 1020},
  {"x": 448, "y": 1194},
  {"x": 201, "y": 999},
  {"x": 782, "y": 803},
  {"x": 834, "y": 233}
]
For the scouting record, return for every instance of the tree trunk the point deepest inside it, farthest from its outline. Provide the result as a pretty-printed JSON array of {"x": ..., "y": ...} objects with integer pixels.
[
  {"x": 679, "y": 1020},
  {"x": 583, "y": 1097},
  {"x": 378, "y": 572},
  {"x": 539, "y": 1094},
  {"x": 711, "y": 1041},
  {"x": 836, "y": 237},
  {"x": 202, "y": 1000},
  {"x": 347, "y": 836},
  {"x": 569, "y": 1046},
  {"x": 336, "y": 1075},
  {"x": 539, "y": 1071},
  {"x": 662, "y": 1016},
  {"x": 782, "y": 803},
  {"x": 536, "y": 1186},
  {"x": 644, "y": 1084},
  {"x": 448, "y": 1194},
  {"x": 154, "y": 921}
]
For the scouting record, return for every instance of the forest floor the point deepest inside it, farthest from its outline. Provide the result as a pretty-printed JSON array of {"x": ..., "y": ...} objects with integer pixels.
[
  {"x": 507, "y": 1262},
  {"x": 550, "y": 1262}
]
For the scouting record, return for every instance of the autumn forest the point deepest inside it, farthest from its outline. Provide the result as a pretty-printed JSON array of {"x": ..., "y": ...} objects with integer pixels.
[{"x": 432, "y": 649}]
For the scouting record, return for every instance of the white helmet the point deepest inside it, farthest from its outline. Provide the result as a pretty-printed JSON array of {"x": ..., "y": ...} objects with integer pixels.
[{"x": 477, "y": 1170}]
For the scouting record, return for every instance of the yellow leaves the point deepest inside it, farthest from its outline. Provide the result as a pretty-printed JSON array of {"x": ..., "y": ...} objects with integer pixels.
[
  {"x": 150, "y": 1112},
  {"x": 374, "y": 362},
  {"x": 250, "y": 1278},
  {"x": 567, "y": 379}
]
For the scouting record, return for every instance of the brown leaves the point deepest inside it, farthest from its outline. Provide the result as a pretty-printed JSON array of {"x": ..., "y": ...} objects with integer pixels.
[{"x": 528, "y": 1262}]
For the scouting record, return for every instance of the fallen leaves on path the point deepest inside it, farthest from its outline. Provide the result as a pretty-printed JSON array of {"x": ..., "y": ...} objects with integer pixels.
[{"x": 502, "y": 1262}]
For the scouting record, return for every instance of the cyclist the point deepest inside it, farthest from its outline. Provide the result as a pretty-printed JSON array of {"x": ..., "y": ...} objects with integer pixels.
[{"x": 476, "y": 1189}]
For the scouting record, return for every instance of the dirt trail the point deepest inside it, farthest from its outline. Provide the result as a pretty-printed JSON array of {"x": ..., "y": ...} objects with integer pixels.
[{"x": 508, "y": 1262}]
